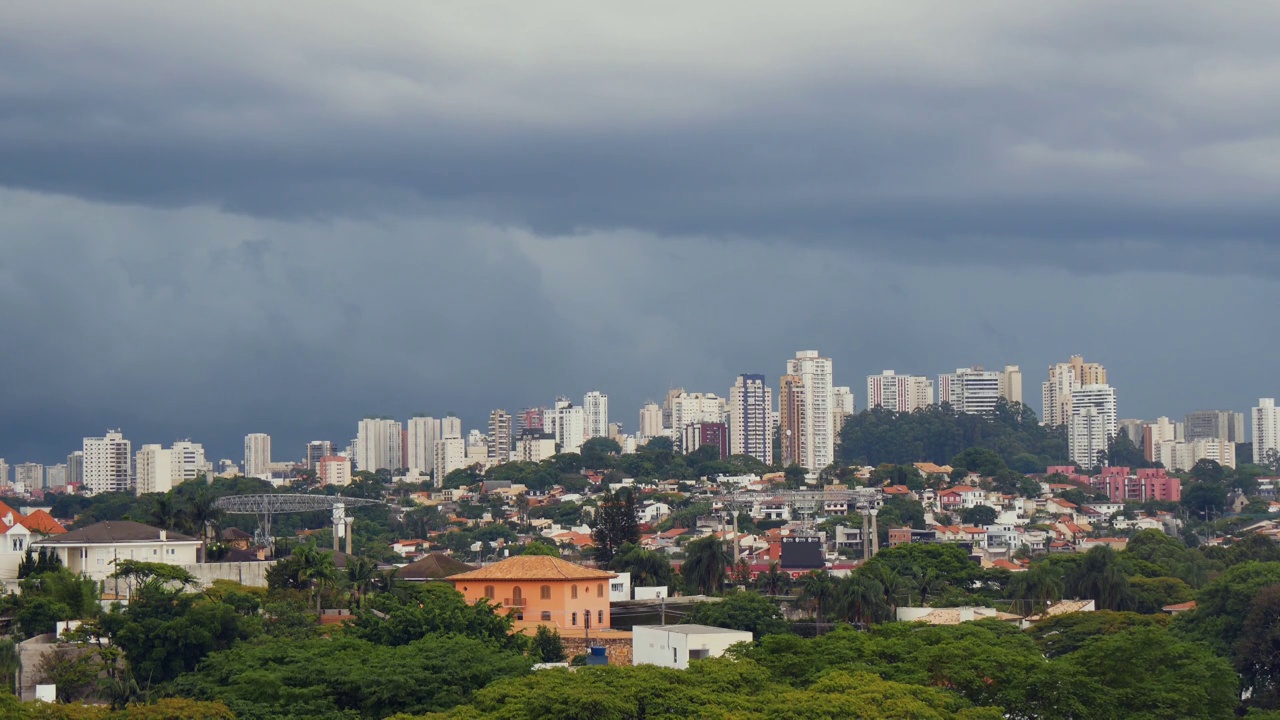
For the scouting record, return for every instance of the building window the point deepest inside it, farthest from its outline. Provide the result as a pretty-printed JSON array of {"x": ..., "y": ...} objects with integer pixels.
[
  {"x": 517, "y": 597},
  {"x": 599, "y": 618},
  {"x": 545, "y": 592},
  {"x": 600, "y": 590},
  {"x": 546, "y": 616},
  {"x": 489, "y": 593},
  {"x": 675, "y": 655},
  {"x": 575, "y": 591},
  {"x": 575, "y": 619}
]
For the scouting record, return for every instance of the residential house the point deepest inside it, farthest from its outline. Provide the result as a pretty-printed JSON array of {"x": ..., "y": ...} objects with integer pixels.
[
  {"x": 94, "y": 550},
  {"x": 542, "y": 589},
  {"x": 19, "y": 533}
]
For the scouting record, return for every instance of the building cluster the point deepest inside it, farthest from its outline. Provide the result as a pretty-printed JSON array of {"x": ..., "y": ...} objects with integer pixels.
[{"x": 799, "y": 420}]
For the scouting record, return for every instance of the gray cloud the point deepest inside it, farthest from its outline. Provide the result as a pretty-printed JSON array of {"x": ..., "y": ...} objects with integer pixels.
[{"x": 224, "y": 220}]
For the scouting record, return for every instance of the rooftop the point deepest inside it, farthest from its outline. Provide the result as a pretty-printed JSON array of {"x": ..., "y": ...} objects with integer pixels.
[
  {"x": 533, "y": 567},
  {"x": 116, "y": 531},
  {"x": 690, "y": 629}
]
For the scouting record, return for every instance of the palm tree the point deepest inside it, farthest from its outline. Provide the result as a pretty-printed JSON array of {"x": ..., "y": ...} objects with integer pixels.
[
  {"x": 927, "y": 582},
  {"x": 773, "y": 581},
  {"x": 162, "y": 512},
  {"x": 816, "y": 592},
  {"x": 203, "y": 517},
  {"x": 315, "y": 569},
  {"x": 1099, "y": 577},
  {"x": 522, "y": 508},
  {"x": 1034, "y": 588},
  {"x": 891, "y": 584},
  {"x": 360, "y": 574},
  {"x": 706, "y": 564},
  {"x": 860, "y": 600}
]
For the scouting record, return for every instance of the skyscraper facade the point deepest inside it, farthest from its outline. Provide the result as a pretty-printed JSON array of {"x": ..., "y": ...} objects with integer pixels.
[
  {"x": 108, "y": 463},
  {"x": 842, "y": 408},
  {"x": 1063, "y": 380},
  {"x": 1215, "y": 425},
  {"x": 154, "y": 469},
  {"x": 1011, "y": 383},
  {"x": 751, "y": 418},
  {"x": 595, "y": 410},
  {"x": 1096, "y": 405},
  {"x": 257, "y": 454},
  {"x": 567, "y": 422},
  {"x": 1266, "y": 430},
  {"x": 317, "y": 449},
  {"x": 379, "y": 444},
  {"x": 899, "y": 393},
  {"x": 971, "y": 390},
  {"x": 688, "y": 408},
  {"x": 500, "y": 439},
  {"x": 421, "y": 436},
  {"x": 75, "y": 468},
  {"x": 29, "y": 476},
  {"x": 651, "y": 421},
  {"x": 791, "y": 421},
  {"x": 529, "y": 419},
  {"x": 818, "y": 438}
]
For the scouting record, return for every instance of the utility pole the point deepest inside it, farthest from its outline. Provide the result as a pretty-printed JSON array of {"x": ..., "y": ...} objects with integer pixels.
[{"x": 664, "y": 611}]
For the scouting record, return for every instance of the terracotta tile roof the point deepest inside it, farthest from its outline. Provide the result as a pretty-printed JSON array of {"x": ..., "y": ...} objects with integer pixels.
[
  {"x": 1180, "y": 607},
  {"x": 1007, "y": 565},
  {"x": 43, "y": 523},
  {"x": 433, "y": 566},
  {"x": 897, "y": 490},
  {"x": 533, "y": 567}
]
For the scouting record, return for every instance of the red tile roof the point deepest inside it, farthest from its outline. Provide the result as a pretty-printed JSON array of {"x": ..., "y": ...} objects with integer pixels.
[{"x": 43, "y": 523}]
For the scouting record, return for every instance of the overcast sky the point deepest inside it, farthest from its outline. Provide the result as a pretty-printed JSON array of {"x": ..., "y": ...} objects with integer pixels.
[{"x": 226, "y": 218}]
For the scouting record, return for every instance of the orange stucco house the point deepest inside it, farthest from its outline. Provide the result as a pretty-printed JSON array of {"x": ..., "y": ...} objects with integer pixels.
[{"x": 542, "y": 589}]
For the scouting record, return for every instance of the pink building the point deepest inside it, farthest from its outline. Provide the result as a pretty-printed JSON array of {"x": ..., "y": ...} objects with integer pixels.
[
  {"x": 334, "y": 470},
  {"x": 1147, "y": 484}
]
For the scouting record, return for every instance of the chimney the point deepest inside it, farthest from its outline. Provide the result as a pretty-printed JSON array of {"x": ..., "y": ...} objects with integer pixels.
[{"x": 164, "y": 535}]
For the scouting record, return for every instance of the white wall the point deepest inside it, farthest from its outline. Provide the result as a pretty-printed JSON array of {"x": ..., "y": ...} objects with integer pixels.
[{"x": 661, "y": 646}]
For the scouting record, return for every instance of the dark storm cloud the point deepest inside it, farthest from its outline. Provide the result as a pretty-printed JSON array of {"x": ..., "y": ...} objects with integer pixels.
[{"x": 232, "y": 219}]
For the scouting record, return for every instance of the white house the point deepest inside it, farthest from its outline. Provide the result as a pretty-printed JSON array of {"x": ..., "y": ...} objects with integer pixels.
[
  {"x": 93, "y": 550},
  {"x": 673, "y": 646},
  {"x": 18, "y": 532},
  {"x": 653, "y": 512}
]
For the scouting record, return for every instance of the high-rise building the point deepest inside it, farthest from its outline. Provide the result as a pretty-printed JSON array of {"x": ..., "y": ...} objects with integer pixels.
[
  {"x": 421, "y": 436},
  {"x": 535, "y": 446},
  {"x": 1096, "y": 406},
  {"x": 842, "y": 408},
  {"x": 108, "y": 463},
  {"x": 1064, "y": 379},
  {"x": 334, "y": 470},
  {"x": 818, "y": 437},
  {"x": 4, "y": 472},
  {"x": 450, "y": 426},
  {"x": 595, "y": 410},
  {"x": 971, "y": 390},
  {"x": 379, "y": 444},
  {"x": 567, "y": 422},
  {"x": 1216, "y": 425},
  {"x": 1181, "y": 456},
  {"x": 899, "y": 393},
  {"x": 500, "y": 439},
  {"x": 189, "y": 461},
  {"x": 1266, "y": 430},
  {"x": 529, "y": 419},
  {"x": 75, "y": 468},
  {"x": 651, "y": 421},
  {"x": 55, "y": 476},
  {"x": 695, "y": 435},
  {"x": 751, "y": 418},
  {"x": 688, "y": 408},
  {"x": 791, "y": 419},
  {"x": 451, "y": 454},
  {"x": 1159, "y": 431},
  {"x": 154, "y": 468},
  {"x": 257, "y": 454},
  {"x": 29, "y": 475},
  {"x": 668, "y": 407},
  {"x": 317, "y": 449},
  {"x": 1011, "y": 384}
]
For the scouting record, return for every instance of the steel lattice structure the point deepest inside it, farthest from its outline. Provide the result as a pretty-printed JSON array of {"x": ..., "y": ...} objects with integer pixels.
[{"x": 264, "y": 506}]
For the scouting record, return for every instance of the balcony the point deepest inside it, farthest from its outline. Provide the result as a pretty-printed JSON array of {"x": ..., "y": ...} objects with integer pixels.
[{"x": 514, "y": 602}]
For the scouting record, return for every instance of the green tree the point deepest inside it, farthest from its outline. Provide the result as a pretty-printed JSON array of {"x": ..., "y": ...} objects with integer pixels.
[
  {"x": 741, "y": 610},
  {"x": 773, "y": 581},
  {"x": 860, "y": 599},
  {"x": 1061, "y": 635},
  {"x": 617, "y": 524},
  {"x": 1203, "y": 498},
  {"x": 599, "y": 453},
  {"x": 538, "y": 547},
  {"x": 793, "y": 476},
  {"x": 415, "y": 611},
  {"x": 1151, "y": 595},
  {"x": 1208, "y": 471},
  {"x": 10, "y": 664},
  {"x": 1257, "y": 652},
  {"x": 648, "y": 568},
  {"x": 547, "y": 646},
  {"x": 1033, "y": 589},
  {"x": 818, "y": 592},
  {"x": 1223, "y": 604},
  {"x": 706, "y": 565},
  {"x": 979, "y": 516},
  {"x": 1101, "y": 577}
]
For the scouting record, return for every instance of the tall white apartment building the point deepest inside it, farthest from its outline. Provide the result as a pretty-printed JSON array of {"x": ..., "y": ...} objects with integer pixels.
[
  {"x": 693, "y": 408},
  {"x": 1157, "y": 432},
  {"x": 75, "y": 469},
  {"x": 751, "y": 418},
  {"x": 4, "y": 472},
  {"x": 651, "y": 422},
  {"x": 55, "y": 476},
  {"x": 1087, "y": 438},
  {"x": 899, "y": 393},
  {"x": 1180, "y": 456},
  {"x": 535, "y": 445},
  {"x": 257, "y": 454},
  {"x": 1011, "y": 383},
  {"x": 501, "y": 441},
  {"x": 818, "y": 435},
  {"x": 1266, "y": 429},
  {"x": 154, "y": 469},
  {"x": 1096, "y": 404},
  {"x": 422, "y": 434},
  {"x": 1064, "y": 379},
  {"x": 595, "y": 410},
  {"x": 843, "y": 407},
  {"x": 108, "y": 463},
  {"x": 379, "y": 444},
  {"x": 450, "y": 426},
  {"x": 451, "y": 454},
  {"x": 567, "y": 423},
  {"x": 189, "y": 461},
  {"x": 971, "y": 390},
  {"x": 29, "y": 475}
]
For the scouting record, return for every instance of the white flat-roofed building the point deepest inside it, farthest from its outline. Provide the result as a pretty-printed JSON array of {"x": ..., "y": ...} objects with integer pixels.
[{"x": 673, "y": 646}]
